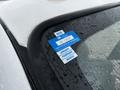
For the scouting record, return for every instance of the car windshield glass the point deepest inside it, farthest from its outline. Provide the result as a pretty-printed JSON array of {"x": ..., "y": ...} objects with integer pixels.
[{"x": 99, "y": 58}]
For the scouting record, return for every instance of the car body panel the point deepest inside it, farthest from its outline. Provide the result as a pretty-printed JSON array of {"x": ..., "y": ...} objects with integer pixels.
[
  {"x": 12, "y": 75},
  {"x": 22, "y": 16}
]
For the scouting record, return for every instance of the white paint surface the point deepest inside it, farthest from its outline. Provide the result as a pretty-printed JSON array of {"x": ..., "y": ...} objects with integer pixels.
[
  {"x": 22, "y": 16},
  {"x": 12, "y": 76}
]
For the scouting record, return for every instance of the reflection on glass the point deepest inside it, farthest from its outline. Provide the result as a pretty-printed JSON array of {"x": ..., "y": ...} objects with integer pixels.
[{"x": 99, "y": 58}]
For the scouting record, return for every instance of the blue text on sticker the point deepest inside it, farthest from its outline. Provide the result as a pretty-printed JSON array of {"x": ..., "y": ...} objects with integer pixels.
[{"x": 64, "y": 40}]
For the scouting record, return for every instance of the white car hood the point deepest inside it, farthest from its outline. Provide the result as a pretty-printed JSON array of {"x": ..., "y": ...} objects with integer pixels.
[{"x": 22, "y": 16}]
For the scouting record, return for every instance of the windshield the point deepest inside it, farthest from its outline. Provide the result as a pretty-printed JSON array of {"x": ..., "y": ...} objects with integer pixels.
[
  {"x": 99, "y": 58},
  {"x": 96, "y": 63}
]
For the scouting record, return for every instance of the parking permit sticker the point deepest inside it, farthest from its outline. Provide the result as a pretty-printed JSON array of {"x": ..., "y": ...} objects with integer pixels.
[
  {"x": 58, "y": 33},
  {"x": 60, "y": 42},
  {"x": 67, "y": 54},
  {"x": 62, "y": 45}
]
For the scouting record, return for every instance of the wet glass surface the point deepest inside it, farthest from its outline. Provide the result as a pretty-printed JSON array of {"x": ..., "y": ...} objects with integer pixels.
[{"x": 99, "y": 58}]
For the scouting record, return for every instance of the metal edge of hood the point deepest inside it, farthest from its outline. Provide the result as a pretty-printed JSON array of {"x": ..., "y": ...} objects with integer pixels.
[{"x": 22, "y": 16}]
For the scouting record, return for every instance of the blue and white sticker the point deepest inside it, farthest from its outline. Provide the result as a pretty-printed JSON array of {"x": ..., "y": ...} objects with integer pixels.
[
  {"x": 60, "y": 42},
  {"x": 67, "y": 54},
  {"x": 58, "y": 33},
  {"x": 62, "y": 45}
]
